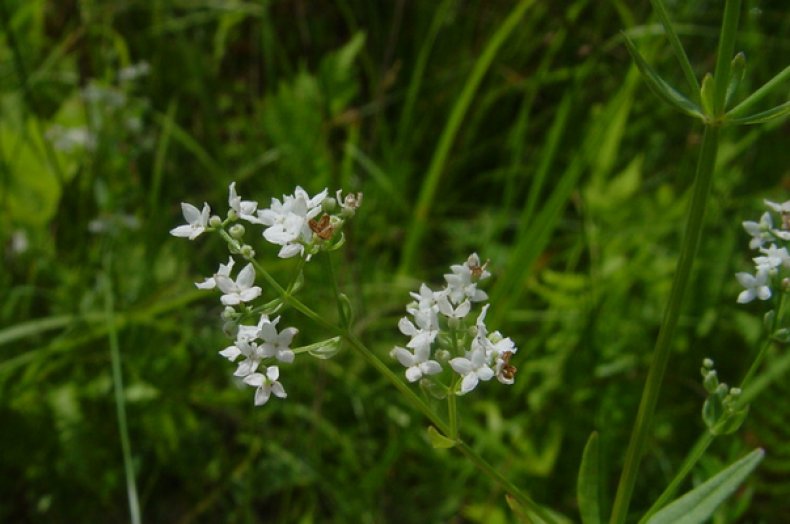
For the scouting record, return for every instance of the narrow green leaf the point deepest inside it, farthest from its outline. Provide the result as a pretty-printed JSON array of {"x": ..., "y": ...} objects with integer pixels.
[
  {"x": 438, "y": 440},
  {"x": 659, "y": 86},
  {"x": 737, "y": 69},
  {"x": 707, "y": 94},
  {"x": 746, "y": 105},
  {"x": 780, "y": 111},
  {"x": 698, "y": 505},
  {"x": 587, "y": 484}
]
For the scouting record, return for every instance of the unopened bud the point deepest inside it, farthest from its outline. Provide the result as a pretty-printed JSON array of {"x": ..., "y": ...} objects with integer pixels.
[
  {"x": 215, "y": 221},
  {"x": 237, "y": 231}
]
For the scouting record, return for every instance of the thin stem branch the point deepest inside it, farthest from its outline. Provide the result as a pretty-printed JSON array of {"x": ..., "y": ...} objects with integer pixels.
[
  {"x": 680, "y": 53},
  {"x": 702, "y": 444},
  {"x": 120, "y": 402},
  {"x": 503, "y": 482},
  {"x": 647, "y": 406}
]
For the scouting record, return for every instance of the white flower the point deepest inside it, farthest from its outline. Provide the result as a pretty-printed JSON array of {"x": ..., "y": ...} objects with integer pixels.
[
  {"x": 756, "y": 286},
  {"x": 240, "y": 290},
  {"x": 774, "y": 258},
  {"x": 418, "y": 365},
  {"x": 197, "y": 221},
  {"x": 266, "y": 384},
  {"x": 426, "y": 298},
  {"x": 760, "y": 232},
  {"x": 783, "y": 208},
  {"x": 288, "y": 221},
  {"x": 245, "y": 209},
  {"x": 276, "y": 344},
  {"x": 425, "y": 330},
  {"x": 458, "y": 312},
  {"x": 224, "y": 270},
  {"x": 472, "y": 369},
  {"x": 252, "y": 353},
  {"x": 462, "y": 282}
]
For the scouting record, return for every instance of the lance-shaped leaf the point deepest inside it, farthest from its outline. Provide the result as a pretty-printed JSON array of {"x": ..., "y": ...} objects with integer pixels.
[
  {"x": 438, "y": 440},
  {"x": 587, "y": 485},
  {"x": 748, "y": 103},
  {"x": 780, "y": 111},
  {"x": 737, "y": 69},
  {"x": 707, "y": 94},
  {"x": 660, "y": 86},
  {"x": 696, "y": 506}
]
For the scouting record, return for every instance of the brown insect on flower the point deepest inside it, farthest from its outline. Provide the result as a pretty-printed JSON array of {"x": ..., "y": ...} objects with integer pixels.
[
  {"x": 477, "y": 269},
  {"x": 323, "y": 228},
  {"x": 507, "y": 371}
]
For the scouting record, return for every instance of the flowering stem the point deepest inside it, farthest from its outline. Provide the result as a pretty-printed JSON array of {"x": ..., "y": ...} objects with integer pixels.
[
  {"x": 503, "y": 482},
  {"x": 647, "y": 406},
  {"x": 410, "y": 395},
  {"x": 767, "y": 344},
  {"x": 452, "y": 411},
  {"x": 702, "y": 444},
  {"x": 330, "y": 266}
]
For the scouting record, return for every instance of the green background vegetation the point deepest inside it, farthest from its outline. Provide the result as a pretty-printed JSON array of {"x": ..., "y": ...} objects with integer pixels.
[{"x": 546, "y": 155}]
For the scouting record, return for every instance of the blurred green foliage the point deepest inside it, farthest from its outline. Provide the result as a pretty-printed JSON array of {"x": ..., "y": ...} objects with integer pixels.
[{"x": 565, "y": 172}]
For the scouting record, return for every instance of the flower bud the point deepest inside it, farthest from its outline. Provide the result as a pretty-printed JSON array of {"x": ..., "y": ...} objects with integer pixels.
[
  {"x": 711, "y": 381},
  {"x": 236, "y": 231},
  {"x": 215, "y": 221},
  {"x": 232, "y": 215},
  {"x": 247, "y": 251}
]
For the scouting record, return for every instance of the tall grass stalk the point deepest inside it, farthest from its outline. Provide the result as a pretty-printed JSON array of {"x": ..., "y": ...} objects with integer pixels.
[{"x": 695, "y": 218}]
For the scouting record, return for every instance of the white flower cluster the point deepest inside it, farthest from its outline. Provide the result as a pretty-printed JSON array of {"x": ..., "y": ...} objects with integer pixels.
[
  {"x": 292, "y": 223},
  {"x": 771, "y": 268},
  {"x": 441, "y": 330}
]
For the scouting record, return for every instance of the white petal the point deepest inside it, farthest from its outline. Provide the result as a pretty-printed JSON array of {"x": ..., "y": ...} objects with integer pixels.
[
  {"x": 746, "y": 296},
  {"x": 461, "y": 365},
  {"x": 469, "y": 383},
  {"x": 407, "y": 327},
  {"x": 255, "y": 380},
  {"x": 413, "y": 374},
  {"x": 231, "y": 353},
  {"x": 273, "y": 373},
  {"x": 231, "y": 299},
  {"x": 278, "y": 390},
  {"x": 209, "y": 283},
  {"x": 485, "y": 373},
  {"x": 290, "y": 250},
  {"x": 250, "y": 294},
  {"x": 262, "y": 396},
  {"x": 190, "y": 212},
  {"x": 764, "y": 293},
  {"x": 246, "y": 277},
  {"x": 182, "y": 231},
  {"x": 404, "y": 356},
  {"x": 430, "y": 367},
  {"x": 286, "y": 356}
]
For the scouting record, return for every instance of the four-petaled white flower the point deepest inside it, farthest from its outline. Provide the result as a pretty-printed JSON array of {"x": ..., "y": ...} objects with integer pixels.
[
  {"x": 759, "y": 231},
  {"x": 473, "y": 369},
  {"x": 245, "y": 209},
  {"x": 462, "y": 282},
  {"x": 418, "y": 363},
  {"x": 266, "y": 384},
  {"x": 240, "y": 290},
  {"x": 197, "y": 221},
  {"x": 421, "y": 334},
  {"x": 224, "y": 271},
  {"x": 276, "y": 344},
  {"x": 756, "y": 286},
  {"x": 288, "y": 221}
]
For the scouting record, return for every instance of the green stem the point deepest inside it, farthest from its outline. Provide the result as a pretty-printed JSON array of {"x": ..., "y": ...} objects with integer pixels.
[
  {"x": 344, "y": 321},
  {"x": 729, "y": 27},
  {"x": 120, "y": 404},
  {"x": 702, "y": 444},
  {"x": 647, "y": 406},
  {"x": 503, "y": 482},
  {"x": 414, "y": 399},
  {"x": 779, "y": 312},
  {"x": 452, "y": 411}
]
